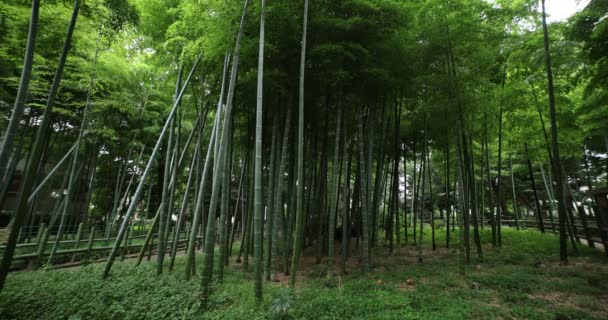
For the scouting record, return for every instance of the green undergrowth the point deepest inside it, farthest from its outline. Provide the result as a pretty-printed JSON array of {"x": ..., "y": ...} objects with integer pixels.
[{"x": 521, "y": 280}]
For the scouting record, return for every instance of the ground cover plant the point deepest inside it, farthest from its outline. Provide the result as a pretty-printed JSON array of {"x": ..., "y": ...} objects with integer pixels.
[{"x": 518, "y": 281}]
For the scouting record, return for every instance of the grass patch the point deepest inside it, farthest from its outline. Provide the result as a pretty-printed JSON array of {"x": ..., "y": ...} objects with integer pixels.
[{"x": 521, "y": 280}]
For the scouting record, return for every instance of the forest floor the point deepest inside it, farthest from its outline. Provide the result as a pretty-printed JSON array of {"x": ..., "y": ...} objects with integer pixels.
[{"x": 521, "y": 280}]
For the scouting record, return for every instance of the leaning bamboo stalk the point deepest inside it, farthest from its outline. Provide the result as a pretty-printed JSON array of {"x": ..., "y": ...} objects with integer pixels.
[
  {"x": 210, "y": 234},
  {"x": 125, "y": 196},
  {"x": 241, "y": 197},
  {"x": 117, "y": 191},
  {"x": 118, "y": 200},
  {"x": 155, "y": 222},
  {"x": 198, "y": 214},
  {"x": 182, "y": 210},
  {"x": 6, "y": 180},
  {"x": 165, "y": 214},
  {"x": 539, "y": 217},
  {"x": 78, "y": 236},
  {"x": 138, "y": 191},
  {"x": 75, "y": 152},
  {"x": 54, "y": 213},
  {"x": 39, "y": 234},
  {"x": 550, "y": 197},
  {"x": 51, "y": 173},
  {"x": 149, "y": 235}
]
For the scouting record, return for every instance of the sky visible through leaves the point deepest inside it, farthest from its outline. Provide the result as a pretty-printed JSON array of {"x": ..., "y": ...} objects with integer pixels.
[{"x": 559, "y": 10}]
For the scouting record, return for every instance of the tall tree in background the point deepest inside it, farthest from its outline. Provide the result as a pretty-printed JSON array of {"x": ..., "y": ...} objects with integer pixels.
[
  {"x": 297, "y": 244},
  {"x": 257, "y": 234},
  {"x": 556, "y": 165},
  {"x": 335, "y": 180}
]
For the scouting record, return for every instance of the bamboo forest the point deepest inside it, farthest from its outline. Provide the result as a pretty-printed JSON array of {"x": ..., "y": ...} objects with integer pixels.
[{"x": 304, "y": 159}]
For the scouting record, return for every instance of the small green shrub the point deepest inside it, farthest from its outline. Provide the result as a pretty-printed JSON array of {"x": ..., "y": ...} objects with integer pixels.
[{"x": 282, "y": 303}]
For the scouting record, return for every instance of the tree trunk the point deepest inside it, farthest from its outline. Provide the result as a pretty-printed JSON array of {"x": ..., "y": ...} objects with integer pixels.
[
  {"x": 182, "y": 209},
  {"x": 278, "y": 196},
  {"x": 557, "y": 166},
  {"x": 198, "y": 217},
  {"x": 218, "y": 174},
  {"x": 258, "y": 215},
  {"x": 334, "y": 196},
  {"x": 539, "y": 216},
  {"x": 447, "y": 195},
  {"x": 346, "y": 224},
  {"x": 396, "y": 177},
  {"x": 364, "y": 205},
  {"x": 515, "y": 208},
  {"x": 497, "y": 241},
  {"x": 269, "y": 212},
  {"x": 300, "y": 182}
]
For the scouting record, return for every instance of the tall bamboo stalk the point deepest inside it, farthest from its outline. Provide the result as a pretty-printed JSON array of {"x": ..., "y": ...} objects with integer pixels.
[
  {"x": 334, "y": 196},
  {"x": 556, "y": 165},
  {"x": 257, "y": 216},
  {"x": 199, "y": 212},
  {"x": 135, "y": 200},
  {"x": 539, "y": 216},
  {"x": 31, "y": 169},
  {"x": 365, "y": 248},
  {"x": 210, "y": 234},
  {"x": 515, "y": 208},
  {"x": 346, "y": 228},
  {"x": 269, "y": 212},
  {"x": 297, "y": 245},
  {"x": 278, "y": 203},
  {"x": 182, "y": 209}
]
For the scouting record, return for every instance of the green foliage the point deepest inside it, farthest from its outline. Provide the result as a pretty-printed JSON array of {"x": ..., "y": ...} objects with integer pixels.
[
  {"x": 368, "y": 52},
  {"x": 360, "y": 52},
  {"x": 282, "y": 303}
]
